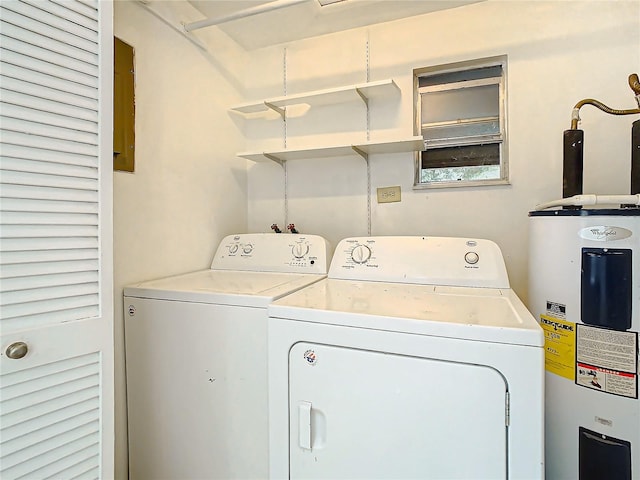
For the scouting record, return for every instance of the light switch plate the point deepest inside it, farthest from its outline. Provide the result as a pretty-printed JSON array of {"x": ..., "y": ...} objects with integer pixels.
[{"x": 388, "y": 194}]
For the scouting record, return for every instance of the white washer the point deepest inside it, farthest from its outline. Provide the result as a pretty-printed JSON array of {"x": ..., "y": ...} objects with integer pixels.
[
  {"x": 413, "y": 359},
  {"x": 196, "y": 358}
]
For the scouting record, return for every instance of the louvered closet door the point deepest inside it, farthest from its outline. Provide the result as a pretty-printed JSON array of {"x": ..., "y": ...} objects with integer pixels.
[{"x": 56, "y": 402}]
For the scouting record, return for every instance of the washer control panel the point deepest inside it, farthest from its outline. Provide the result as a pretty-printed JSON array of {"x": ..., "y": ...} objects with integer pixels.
[
  {"x": 270, "y": 252},
  {"x": 421, "y": 260}
]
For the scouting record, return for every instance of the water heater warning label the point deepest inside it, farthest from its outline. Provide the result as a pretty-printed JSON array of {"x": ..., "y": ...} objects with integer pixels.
[
  {"x": 557, "y": 310},
  {"x": 559, "y": 346},
  {"x": 606, "y": 360}
]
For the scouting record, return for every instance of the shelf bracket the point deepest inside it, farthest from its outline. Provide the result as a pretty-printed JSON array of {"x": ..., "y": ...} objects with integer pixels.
[
  {"x": 281, "y": 111},
  {"x": 364, "y": 98},
  {"x": 361, "y": 152},
  {"x": 273, "y": 158}
]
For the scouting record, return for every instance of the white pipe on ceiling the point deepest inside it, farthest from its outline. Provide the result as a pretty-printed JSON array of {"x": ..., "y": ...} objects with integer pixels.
[
  {"x": 267, "y": 7},
  {"x": 192, "y": 38}
]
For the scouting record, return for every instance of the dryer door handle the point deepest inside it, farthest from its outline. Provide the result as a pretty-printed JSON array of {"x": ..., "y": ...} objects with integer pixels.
[{"x": 304, "y": 424}]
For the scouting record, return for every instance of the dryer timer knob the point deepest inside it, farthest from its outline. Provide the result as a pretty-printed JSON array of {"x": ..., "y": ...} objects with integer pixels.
[{"x": 361, "y": 254}]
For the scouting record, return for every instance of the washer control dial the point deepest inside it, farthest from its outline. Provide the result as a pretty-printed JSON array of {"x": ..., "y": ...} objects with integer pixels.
[
  {"x": 247, "y": 248},
  {"x": 471, "y": 258},
  {"x": 361, "y": 254},
  {"x": 233, "y": 248},
  {"x": 299, "y": 250}
]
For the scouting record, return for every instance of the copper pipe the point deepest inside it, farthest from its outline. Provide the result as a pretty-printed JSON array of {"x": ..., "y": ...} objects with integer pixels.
[{"x": 634, "y": 83}]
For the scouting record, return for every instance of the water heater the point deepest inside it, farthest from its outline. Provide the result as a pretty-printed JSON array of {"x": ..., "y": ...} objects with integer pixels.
[{"x": 584, "y": 289}]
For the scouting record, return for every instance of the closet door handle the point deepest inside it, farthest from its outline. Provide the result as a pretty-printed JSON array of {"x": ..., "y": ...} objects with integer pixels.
[
  {"x": 17, "y": 350},
  {"x": 304, "y": 424}
]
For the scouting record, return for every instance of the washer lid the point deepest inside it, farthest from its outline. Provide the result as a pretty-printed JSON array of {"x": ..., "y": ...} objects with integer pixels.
[
  {"x": 223, "y": 287},
  {"x": 482, "y": 314}
]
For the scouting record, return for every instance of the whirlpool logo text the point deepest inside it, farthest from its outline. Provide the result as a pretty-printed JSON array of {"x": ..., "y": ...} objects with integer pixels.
[{"x": 603, "y": 233}]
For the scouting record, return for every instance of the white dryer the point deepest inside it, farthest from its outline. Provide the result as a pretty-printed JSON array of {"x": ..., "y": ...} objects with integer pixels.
[
  {"x": 196, "y": 358},
  {"x": 413, "y": 359}
]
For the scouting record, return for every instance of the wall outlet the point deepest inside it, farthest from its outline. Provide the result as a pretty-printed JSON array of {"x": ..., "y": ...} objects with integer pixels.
[{"x": 388, "y": 194}]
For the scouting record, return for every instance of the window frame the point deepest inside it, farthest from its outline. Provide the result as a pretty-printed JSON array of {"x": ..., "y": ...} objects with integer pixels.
[{"x": 501, "y": 139}]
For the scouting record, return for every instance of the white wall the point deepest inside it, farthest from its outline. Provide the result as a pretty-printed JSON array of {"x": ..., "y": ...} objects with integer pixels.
[
  {"x": 188, "y": 189},
  {"x": 558, "y": 53}
]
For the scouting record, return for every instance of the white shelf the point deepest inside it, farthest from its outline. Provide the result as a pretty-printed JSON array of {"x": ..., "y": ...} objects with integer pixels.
[
  {"x": 349, "y": 93},
  {"x": 412, "y": 144}
]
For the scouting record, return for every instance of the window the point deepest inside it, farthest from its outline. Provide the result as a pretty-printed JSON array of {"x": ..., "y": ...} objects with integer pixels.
[{"x": 460, "y": 112}]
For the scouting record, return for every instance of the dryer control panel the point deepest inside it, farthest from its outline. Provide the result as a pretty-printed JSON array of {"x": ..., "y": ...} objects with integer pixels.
[
  {"x": 449, "y": 261},
  {"x": 270, "y": 252}
]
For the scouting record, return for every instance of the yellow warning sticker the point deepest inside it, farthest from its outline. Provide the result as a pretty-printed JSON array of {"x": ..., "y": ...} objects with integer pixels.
[{"x": 559, "y": 346}]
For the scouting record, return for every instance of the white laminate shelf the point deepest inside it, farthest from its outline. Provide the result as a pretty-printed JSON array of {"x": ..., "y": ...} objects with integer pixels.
[
  {"x": 348, "y": 93},
  {"x": 412, "y": 144}
]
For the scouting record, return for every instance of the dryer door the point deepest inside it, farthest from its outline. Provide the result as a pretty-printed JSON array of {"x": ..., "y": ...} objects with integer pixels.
[{"x": 363, "y": 414}]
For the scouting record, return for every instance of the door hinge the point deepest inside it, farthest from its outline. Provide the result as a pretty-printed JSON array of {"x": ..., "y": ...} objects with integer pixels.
[{"x": 507, "y": 409}]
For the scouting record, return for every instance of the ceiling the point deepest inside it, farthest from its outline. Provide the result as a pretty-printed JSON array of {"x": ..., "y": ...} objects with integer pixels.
[{"x": 309, "y": 19}]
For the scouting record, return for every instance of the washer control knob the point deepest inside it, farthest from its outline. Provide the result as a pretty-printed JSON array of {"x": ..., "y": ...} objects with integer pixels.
[
  {"x": 299, "y": 250},
  {"x": 361, "y": 254},
  {"x": 247, "y": 248},
  {"x": 233, "y": 248},
  {"x": 471, "y": 258}
]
